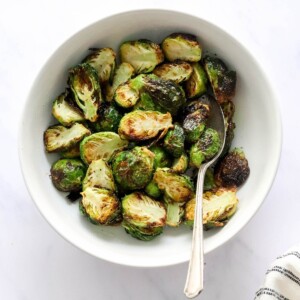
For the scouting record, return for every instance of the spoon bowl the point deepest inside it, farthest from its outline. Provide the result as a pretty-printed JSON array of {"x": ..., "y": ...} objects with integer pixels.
[{"x": 194, "y": 281}]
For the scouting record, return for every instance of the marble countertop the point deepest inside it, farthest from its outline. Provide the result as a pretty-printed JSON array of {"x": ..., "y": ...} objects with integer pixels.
[{"x": 36, "y": 263}]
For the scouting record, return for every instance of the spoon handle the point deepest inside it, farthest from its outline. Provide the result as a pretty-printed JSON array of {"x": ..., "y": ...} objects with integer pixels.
[{"x": 194, "y": 280}]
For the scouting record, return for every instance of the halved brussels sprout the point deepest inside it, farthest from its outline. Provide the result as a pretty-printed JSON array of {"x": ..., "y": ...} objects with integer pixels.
[
  {"x": 100, "y": 206},
  {"x": 141, "y": 125},
  {"x": 133, "y": 169},
  {"x": 177, "y": 71},
  {"x": 175, "y": 213},
  {"x": 65, "y": 112},
  {"x": 182, "y": 46},
  {"x": 126, "y": 95},
  {"x": 178, "y": 188},
  {"x": 72, "y": 152},
  {"x": 161, "y": 159},
  {"x": 84, "y": 84},
  {"x": 196, "y": 85},
  {"x": 99, "y": 175},
  {"x": 233, "y": 170},
  {"x": 143, "y": 55},
  {"x": 67, "y": 174},
  {"x": 146, "y": 103},
  {"x": 206, "y": 148},
  {"x": 223, "y": 82},
  {"x": 152, "y": 190},
  {"x": 123, "y": 73},
  {"x": 174, "y": 141},
  {"x": 103, "y": 61},
  {"x": 58, "y": 138},
  {"x": 218, "y": 206},
  {"x": 109, "y": 118},
  {"x": 101, "y": 145},
  {"x": 143, "y": 217},
  {"x": 180, "y": 164}
]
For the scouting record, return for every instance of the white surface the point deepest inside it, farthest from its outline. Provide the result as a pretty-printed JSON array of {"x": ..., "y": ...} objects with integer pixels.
[
  {"x": 36, "y": 263},
  {"x": 110, "y": 243}
]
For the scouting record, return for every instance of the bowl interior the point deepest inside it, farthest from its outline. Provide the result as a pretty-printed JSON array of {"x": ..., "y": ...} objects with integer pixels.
[{"x": 258, "y": 131}]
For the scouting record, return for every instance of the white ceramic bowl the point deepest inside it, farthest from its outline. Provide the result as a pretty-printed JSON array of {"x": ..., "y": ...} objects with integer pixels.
[{"x": 258, "y": 132}]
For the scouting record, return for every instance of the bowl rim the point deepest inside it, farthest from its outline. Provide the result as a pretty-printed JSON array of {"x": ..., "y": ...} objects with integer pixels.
[{"x": 276, "y": 157}]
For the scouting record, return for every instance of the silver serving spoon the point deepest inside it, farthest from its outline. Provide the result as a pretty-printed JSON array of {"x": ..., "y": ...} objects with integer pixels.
[{"x": 194, "y": 280}]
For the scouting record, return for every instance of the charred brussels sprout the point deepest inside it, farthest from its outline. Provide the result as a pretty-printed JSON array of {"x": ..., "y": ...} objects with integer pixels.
[
  {"x": 143, "y": 55},
  {"x": 101, "y": 145},
  {"x": 175, "y": 213},
  {"x": 123, "y": 73},
  {"x": 99, "y": 175},
  {"x": 233, "y": 169},
  {"x": 228, "y": 109},
  {"x": 59, "y": 138},
  {"x": 100, "y": 206},
  {"x": 146, "y": 103},
  {"x": 177, "y": 188},
  {"x": 206, "y": 148},
  {"x": 180, "y": 164},
  {"x": 174, "y": 141},
  {"x": 141, "y": 125},
  {"x": 84, "y": 84},
  {"x": 209, "y": 181},
  {"x": 165, "y": 93},
  {"x": 218, "y": 206},
  {"x": 161, "y": 159},
  {"x": 109, "y": 118},
  {"x": 177, "y": 71},
  {"x": 103, "y": 61},
  {"x": 67, "y": 174},
  {"x": 194, "y": 123},
  {"x": 143, "y": 217},
  {"x": 126, "y": 95},
  {"x": 133, "y": 169},
  {"x": 196, "y": 85},
  {"x": 65, "y": 112},
  {"x": 222, "y": 80},
  {"x": 182, "y": 46},
  {"x": 152, "y": 190}
]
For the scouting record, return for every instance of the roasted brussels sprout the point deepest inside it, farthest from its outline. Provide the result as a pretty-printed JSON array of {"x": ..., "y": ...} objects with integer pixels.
[
  {"x": 65, "y": 112},
  {"x": 109, "y": 118},
  {"x": 123, "y": 73},
  {"x": 196, "y": 85},
  {"x": 143, "y": 217},
  {"x": 177, "y": 71},
  {"x": 67, "y": 174},
  {"x": 161, "y": 159},
  {"x": 84, "y": 84},
  {"x": 177, "y": 188},
  {"x": 218, "y": 206},
  {"x": 146, "y": 103},
  {"x": 194, "y": 123},
  {"x": 223, "y": 82},
  {"x": 182, "y": 46},
  {"x": 73, "y": 152},
  {"x": 101, "y": 206},
  {"x": 101, "y": 145},
  {"x": 206, "y": 148},
  {"x": 175, "y": 213},
  {"x": 126, "y": 95},
  {"x": 152, "y": 190},
  {"x": 203, "y": 103},
  {"x": 103, "y": 61},
  {"x": 141, "y": 125},
  {"x": 233, "y": 169},
  {"x": 165, "y": 93},
  {"x": 174, "y": 141},
  {"x": 180, "y": 164},
  {"x": 99, "y": 175},
  {"x": 228, "y": 109},
  {"x": 143, "y": 55},
  {"x": 209, "y": 181},
  {"x": 58, "y": 138},
  {"x": 133, "y": 169}
]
